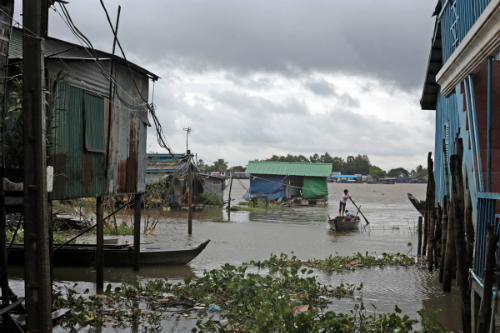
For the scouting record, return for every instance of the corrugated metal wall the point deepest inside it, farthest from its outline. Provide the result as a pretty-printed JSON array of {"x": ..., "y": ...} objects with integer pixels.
[
  {"x": 486, "y": 213},
  {"x": 82, "y": 74},
  {"x": 77, "y": 172},
  {"x": 447, "y": 127},
  {"x": 458, "y": 18},
  {"x": 129, "y": 118}
]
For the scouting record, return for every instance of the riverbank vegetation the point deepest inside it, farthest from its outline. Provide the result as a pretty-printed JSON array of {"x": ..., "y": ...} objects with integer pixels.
[{"x": 287, "y": 297}]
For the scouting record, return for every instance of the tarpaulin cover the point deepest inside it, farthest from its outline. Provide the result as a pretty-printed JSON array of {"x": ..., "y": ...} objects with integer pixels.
[
  {"x": 315, "y": 187},
  {"x": 271, "y": 186}
]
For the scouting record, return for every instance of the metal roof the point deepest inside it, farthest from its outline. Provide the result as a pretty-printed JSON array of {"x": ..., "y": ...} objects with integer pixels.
[
  {"x": 289, "y": 168},
  {"x": 67, "y": 51},
  {"x": 430, "y": 91},
  {"x": 345, "y": 176}
]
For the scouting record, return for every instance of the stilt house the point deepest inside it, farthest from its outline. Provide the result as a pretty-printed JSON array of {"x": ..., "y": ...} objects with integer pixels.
[
  {"x": 288, "y": 180},
  {"x": 97, "y": 119},
  {"x": 462, "y": 84}
]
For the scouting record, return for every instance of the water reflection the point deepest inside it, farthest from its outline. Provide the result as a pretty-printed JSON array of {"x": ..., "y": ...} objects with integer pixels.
[{"x": 303, "y": 232}]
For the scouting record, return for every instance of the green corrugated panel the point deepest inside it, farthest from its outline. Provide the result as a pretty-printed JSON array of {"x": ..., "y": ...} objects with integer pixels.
[
  {"x": 314, "y": 188},
  {"x": 77, "y": 173},
  {"x": 94, "y": 123},
  {"x": 289, "y": 168}
]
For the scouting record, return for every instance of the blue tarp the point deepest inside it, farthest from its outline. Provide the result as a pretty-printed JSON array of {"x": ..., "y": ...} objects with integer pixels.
[{"x": 271, "y": 186}]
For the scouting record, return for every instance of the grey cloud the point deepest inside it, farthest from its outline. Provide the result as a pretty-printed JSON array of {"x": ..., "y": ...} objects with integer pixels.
[
  {"x": 388, "y": 40},
  {"x": 259, "y": 105},
  {"x": 321, "y": 88},
  {"x": 346, "y": 100}
]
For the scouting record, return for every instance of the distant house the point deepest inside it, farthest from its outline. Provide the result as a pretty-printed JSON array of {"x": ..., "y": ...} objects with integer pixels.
[
  {"x": 345, "y": 178},
  {"x": 276, "y": 180},
  {"x": 172, "y": 170}
]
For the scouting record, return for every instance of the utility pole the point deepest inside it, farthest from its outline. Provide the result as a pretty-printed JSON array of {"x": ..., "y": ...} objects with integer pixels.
[
  {"x": 188, "y": 130},
  {"x": 36, "y": 237},
  {"x": 190, "y": 195}
]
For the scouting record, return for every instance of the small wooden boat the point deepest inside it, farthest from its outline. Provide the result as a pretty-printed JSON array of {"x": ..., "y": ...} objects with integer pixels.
[
  {"x": 418, "y": 204},
  {"x": 114, "y": 255},
  {"x": 338, "y": 224}
]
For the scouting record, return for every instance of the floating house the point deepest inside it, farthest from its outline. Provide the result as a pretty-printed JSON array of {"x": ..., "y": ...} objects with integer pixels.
[
  {"x": 410, "y": 180},
  {"x": 288, "y": 180},
  {"x": 462, "y": 84}
]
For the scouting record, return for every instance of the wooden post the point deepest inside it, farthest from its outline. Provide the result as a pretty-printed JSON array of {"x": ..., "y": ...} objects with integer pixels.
[
  {"x": 229, "y": 199},
  {"x": 190, "y": 195},
  {"x": 444, "y": 234},
  {"x": 449, "y": 260},
  {"x": 430, "y": 201},
  {"x": 460, "y": 244},
  {"x": 99, "y": 253},
  {"x": 483, "y": 324},
  {"x": 419, "y": 244},
  {"x": 137, "y": 231},
  {"x": 36, "y": 245},
  {"x": 437, "y": 235},
  {"x": 254, "y": 201},
  {"x": 469, "y": 229}
]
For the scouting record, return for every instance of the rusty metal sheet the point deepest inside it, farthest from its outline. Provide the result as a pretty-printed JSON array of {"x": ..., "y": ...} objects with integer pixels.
[{"x": 127, "y": 154}]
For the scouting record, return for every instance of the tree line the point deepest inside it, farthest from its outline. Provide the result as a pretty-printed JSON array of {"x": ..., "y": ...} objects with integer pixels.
[{"x": 351, "y": 165}]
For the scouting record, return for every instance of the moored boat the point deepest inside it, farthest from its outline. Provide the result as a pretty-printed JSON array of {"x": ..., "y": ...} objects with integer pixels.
[
  {"x": 418, "y": 204},
  {"x": 338, "y": 224},
  {"x": 114, "y": 255}
]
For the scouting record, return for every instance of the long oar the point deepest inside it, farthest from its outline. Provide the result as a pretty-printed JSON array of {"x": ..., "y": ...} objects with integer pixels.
[{"x": 360, "y": 211}]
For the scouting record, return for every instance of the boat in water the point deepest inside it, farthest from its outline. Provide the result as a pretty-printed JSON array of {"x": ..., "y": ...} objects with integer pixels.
[
  {"x": 418, "y": 204},
  {"x": 338, "y": 223},
  {"x": 114, "y": 255}
]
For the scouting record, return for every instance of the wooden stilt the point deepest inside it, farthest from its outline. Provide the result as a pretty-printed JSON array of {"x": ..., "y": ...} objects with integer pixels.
[
  {"x": 460, "y": 243},
  {"x": 431, "y": 188},
  {"x": 137, "y": 231},
  {"x": 484, "y": 318},
  {"x": 444, "y": 234},
  {"x": 449, "y": 260},
  {"x": 99, "y": 253},
  {"x": 437, "y": 235},
  {"x": 419, "y": 244},
  {"x": 229, "y": 199},
  {"x": 190, "y": 195}
]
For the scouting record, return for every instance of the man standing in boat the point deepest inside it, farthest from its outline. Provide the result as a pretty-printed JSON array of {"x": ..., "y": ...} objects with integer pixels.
[{"x": 343, "y": 201}]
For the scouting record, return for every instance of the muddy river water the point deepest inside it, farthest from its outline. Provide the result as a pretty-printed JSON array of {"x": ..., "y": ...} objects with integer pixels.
[{"x": 303, "y": 232}]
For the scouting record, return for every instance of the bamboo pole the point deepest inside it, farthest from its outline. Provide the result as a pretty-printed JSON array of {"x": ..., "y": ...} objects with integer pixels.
[
  {"x": 419, "y": 244},
  {"x": 484, "y": 317},
  {"x": 229, "y": 199},
  {"x": 137, "y": 230},
  {"x": 190, "y": 195},
  {"x": 99, "y": 253},
  {"x": 460, "y": 243}
]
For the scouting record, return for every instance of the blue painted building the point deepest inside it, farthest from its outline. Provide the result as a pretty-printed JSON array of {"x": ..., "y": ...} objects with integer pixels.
[{"x": 462, "y": 85}]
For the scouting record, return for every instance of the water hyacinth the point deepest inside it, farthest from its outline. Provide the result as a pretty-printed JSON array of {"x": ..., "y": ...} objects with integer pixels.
[{"x": 286, "y": 298}]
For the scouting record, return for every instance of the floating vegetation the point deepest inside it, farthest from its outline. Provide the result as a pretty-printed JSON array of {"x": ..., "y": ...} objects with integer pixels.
[
  {"x": 338, "y": 263},
  {"x": 286, "y": 299}
]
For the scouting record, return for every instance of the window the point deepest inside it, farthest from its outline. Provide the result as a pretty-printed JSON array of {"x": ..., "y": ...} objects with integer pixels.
[{"x": 93, "y": 107}]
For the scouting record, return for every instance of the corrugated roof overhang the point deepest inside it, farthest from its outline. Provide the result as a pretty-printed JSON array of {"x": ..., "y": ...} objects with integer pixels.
[{"x": 430, "y": 91}]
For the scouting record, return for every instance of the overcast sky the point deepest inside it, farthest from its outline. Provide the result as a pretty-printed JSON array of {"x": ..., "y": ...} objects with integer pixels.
[{"x": 255, "y": 78}]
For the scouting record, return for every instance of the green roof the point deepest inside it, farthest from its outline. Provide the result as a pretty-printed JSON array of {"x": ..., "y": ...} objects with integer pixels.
[{"x": 289, "y": 168}]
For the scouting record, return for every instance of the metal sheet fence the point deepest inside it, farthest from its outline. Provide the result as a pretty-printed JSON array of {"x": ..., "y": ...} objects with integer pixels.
[{"x": 485, "y": 214}]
